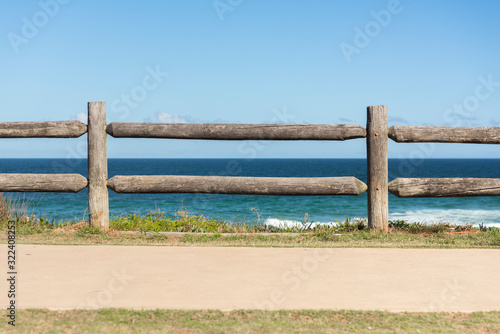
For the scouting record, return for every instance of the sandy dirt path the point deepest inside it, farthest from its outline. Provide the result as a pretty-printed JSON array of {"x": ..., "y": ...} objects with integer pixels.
[{"x": 144, "y": 277}]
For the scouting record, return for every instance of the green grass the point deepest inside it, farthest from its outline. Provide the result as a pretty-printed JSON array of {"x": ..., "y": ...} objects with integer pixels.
[
  {"x": 182, "y": 222},
  {"x": 175, "y": 321},
  {"x": 157, "y": 228},
  {"x": 185, "y": 229}
]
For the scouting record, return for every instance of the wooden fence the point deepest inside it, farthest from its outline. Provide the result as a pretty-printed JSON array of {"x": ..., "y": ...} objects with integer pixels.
[{"x": 376, "y": 133}]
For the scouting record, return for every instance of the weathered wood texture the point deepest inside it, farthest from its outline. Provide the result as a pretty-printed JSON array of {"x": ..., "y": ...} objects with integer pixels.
[
  {"x": 61, "y": 183},
  {"x": 378, "y": 172},
  {"x": 98, "y": 166},
  {"x": 443, "y": 134},
  {"x": 59, "y": 129},
  {"x": 237, "y": 131},
  {"x": 237, "y": 185},
  {"x": 444, "y": 187}
]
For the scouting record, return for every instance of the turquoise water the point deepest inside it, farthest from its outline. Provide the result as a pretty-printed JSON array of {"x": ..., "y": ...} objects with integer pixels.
[{"x": 274, "y": 209}]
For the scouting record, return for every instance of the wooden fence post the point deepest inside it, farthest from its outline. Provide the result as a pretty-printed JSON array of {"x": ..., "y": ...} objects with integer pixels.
[
  {"x": 98, "y": 165},
  {"x": 378, "y": 173}
]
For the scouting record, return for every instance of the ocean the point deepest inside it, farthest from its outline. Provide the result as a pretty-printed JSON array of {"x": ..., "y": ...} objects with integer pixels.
[{"x": 270, "y": 209}]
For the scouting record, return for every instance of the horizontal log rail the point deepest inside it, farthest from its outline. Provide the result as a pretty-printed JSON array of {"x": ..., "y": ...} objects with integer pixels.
[
  {"x": 58, "y": 129},
  {"x": 61, "y": 183},
  {"x": 237, "y": 185},
  {"x": 376, "y": 134},
  {"x": 444, "y": 187},
  {"x": 443, "y": 134},
  {"x": 236, "y": 131}
]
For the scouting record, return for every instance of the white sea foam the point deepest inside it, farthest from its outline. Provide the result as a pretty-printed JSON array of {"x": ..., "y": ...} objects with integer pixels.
[
  {"x": 490, "y": 218},
  {"x": 301, "y": 225},
  {"x": 458, "y": 216},
  {"x": 290, "y": 223}
]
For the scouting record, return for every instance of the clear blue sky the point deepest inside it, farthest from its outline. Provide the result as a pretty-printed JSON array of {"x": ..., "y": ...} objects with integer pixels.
[{"x": 242, "y": 61}]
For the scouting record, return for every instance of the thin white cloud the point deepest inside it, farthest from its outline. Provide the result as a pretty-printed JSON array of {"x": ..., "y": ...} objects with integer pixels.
[
  {"x": 82, "y": 117},
  {"x": 163, "y": 117}
]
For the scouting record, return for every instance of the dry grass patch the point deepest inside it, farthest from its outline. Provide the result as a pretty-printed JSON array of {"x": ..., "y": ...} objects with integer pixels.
[{"x": 248, "y": 321}]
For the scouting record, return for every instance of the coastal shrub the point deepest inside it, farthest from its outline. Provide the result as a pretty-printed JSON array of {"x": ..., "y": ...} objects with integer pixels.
[
  {"x": 19, "y": 208},
  {"x": 160, "y": 222},
  {"x": 398, "y": 224},
  {"x": 4, "y": 208},
  {"x": 351, "y": 225},
  {"x": 181, "y": 221}
]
